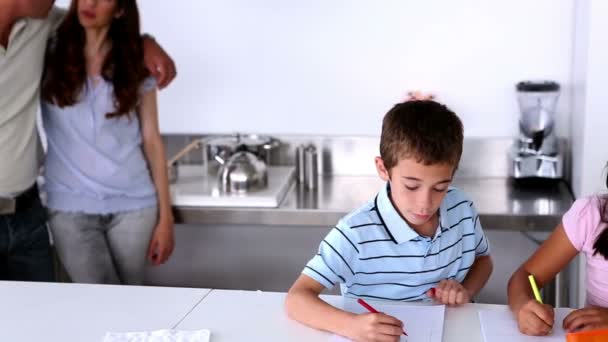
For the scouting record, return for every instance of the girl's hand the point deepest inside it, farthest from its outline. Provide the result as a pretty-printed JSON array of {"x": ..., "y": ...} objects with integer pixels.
[
  {"x": 375, "y": 327},
  {"x": 419, "y": 96},
  {"x": 590, "y": 318},
  {"x": 449, "y": 292},
  {"x": 162, "y": 243},
  {"x": 535, "y": 319}
]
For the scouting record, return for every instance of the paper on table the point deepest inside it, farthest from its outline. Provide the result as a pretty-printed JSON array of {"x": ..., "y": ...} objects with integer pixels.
[
  {"x": 159, "y": 336},
  {"x": 421, "y": 322},
  {"x": 501, "y": 326}
]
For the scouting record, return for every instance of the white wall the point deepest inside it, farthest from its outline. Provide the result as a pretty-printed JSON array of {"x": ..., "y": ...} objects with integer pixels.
[
  {"x": 590, "y": 117},
  {"x": 590, "y": 104},
  {"x": 335, "y": 67}
]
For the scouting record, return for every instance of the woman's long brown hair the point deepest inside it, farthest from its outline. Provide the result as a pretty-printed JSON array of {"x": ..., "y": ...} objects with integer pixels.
[{"x": 65, "y": 72}]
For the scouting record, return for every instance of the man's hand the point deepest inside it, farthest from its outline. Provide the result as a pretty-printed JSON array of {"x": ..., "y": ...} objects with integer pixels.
[
  {"x": 158, "y": 62},
  {"x": 449, "y": 292}
]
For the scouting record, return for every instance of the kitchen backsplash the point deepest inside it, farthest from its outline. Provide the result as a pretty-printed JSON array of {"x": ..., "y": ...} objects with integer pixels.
[{"x": 354, "y": 155}]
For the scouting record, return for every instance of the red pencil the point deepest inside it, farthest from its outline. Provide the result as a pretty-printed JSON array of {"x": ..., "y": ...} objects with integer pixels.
[{"x": 371, "y": 309}]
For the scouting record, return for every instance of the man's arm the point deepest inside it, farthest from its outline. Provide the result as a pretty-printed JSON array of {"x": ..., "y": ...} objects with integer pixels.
[
  {"x": 158, "y": 62},
  {"x": 56, "y": 16}
]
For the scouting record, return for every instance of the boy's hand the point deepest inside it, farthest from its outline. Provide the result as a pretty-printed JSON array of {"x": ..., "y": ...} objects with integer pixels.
[
  {"x": 535, "y": 319},
  {"x": 590, "y": 318},
  {"x": 449, "y": 292},
  {"x": 372, "y": 327}
]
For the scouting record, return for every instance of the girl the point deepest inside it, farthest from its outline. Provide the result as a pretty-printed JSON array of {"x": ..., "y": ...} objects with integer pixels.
[
  {"x": 106, "y": 176},
  {"x": 584, "y": 229}
]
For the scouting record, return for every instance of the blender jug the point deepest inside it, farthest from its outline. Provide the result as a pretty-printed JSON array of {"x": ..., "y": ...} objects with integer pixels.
[{"x": 537, "y": 102}]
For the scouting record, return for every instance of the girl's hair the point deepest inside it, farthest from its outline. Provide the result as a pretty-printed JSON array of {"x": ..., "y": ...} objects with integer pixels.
[
  {"x": 65, "y": 73},
  {"x": 601, "y": 244}
]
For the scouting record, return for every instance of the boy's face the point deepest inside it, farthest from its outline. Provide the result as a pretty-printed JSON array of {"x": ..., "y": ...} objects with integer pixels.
[{"x": 417, "y": 189}]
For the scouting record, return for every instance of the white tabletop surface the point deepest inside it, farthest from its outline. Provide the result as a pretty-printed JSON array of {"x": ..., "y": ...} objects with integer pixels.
[
  {"x": 58, "y": 312},
  {"x": 260, "y": 316}
]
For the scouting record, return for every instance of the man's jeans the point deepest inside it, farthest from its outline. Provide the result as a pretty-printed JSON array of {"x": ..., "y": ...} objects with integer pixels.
[{"x": 25, "y": 250}]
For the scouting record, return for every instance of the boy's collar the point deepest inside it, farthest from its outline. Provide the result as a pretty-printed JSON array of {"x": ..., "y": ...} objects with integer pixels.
[{"x": 397, "y": 228}]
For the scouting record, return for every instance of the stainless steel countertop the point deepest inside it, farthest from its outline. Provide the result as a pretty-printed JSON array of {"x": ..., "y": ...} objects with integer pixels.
[{"x": 501, "y": 204}]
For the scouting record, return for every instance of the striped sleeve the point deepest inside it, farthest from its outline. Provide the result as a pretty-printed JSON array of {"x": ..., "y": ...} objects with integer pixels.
[
  {"x": 482, "y": 245},
  {"x": 334, "y": 263}
]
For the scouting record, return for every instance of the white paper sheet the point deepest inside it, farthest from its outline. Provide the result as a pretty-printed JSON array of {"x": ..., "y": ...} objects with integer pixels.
[
  {"x": 421, "y": 322},
  {"x": 501, "y": 326},
  {"x": 159, "y": 336}
]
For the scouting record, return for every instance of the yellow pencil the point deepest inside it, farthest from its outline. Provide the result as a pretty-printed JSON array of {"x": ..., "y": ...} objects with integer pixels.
[{"x": 535, "y": 289}]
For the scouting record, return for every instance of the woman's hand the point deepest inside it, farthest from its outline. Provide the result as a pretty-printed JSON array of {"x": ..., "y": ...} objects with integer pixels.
[
  {"x": 590, "y": 318},
  {"x": 162, "y": 243}
]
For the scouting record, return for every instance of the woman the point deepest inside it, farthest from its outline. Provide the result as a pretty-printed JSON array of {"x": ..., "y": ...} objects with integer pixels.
[{"x": 106, "y": 175}]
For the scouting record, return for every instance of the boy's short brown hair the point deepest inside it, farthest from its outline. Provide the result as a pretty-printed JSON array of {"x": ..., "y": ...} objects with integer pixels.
[{"x": 425, "y": 130}]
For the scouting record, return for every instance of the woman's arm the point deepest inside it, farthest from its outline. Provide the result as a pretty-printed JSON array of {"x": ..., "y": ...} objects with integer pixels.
[
  {"x": 550, "y": 258},
  {"x": 161, "y": 245}
]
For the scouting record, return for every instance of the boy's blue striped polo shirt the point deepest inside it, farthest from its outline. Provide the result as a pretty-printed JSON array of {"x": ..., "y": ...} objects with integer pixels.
[{"x": 373, "y": 253}]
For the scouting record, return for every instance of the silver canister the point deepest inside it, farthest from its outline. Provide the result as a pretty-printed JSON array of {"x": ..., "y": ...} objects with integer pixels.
[
  {"x": 311, "y": 173},
  {"x": 300, "y": 164}
]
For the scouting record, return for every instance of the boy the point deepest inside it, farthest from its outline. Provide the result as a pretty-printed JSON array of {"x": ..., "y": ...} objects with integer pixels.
[{"x": 418, "y": 239}]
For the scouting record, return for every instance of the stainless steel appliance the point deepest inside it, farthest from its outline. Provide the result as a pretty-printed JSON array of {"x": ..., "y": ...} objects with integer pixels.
[
  {"x": 197, "y": 188},
  {"x": 224, "y": 146},
  {"x": 242, "y": 172},
  {"x": 536, "y": 153}
]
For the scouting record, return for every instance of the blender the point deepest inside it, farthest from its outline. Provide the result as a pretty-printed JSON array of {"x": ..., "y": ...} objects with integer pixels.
[{"x": 536, "y": 153}]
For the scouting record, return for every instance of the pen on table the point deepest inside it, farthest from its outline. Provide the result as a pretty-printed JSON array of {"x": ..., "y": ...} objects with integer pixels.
[
  {"x": 535, "y": 289},
  {"x": 371, "y": 309}
]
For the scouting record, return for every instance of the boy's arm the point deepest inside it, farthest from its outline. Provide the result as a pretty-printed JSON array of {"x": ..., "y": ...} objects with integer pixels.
[
  {"x": 478, "y": 275},
  {"x": 451, "y": 291},
  {"x": 304, "y": 305}
]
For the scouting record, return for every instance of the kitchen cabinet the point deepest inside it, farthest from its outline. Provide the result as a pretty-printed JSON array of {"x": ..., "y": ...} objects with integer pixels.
[
  {"x": 247, "y": 257},
  {"x": 270, "y": 258}
]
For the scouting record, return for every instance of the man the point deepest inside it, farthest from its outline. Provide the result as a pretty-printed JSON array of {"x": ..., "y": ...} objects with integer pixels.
[{"x": 25, "y": 26}]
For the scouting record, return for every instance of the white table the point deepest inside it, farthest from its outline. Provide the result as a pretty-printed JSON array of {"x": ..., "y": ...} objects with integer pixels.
[
  {"x": 57, "y": 312},
  {"x": 260, "y": 316}
]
